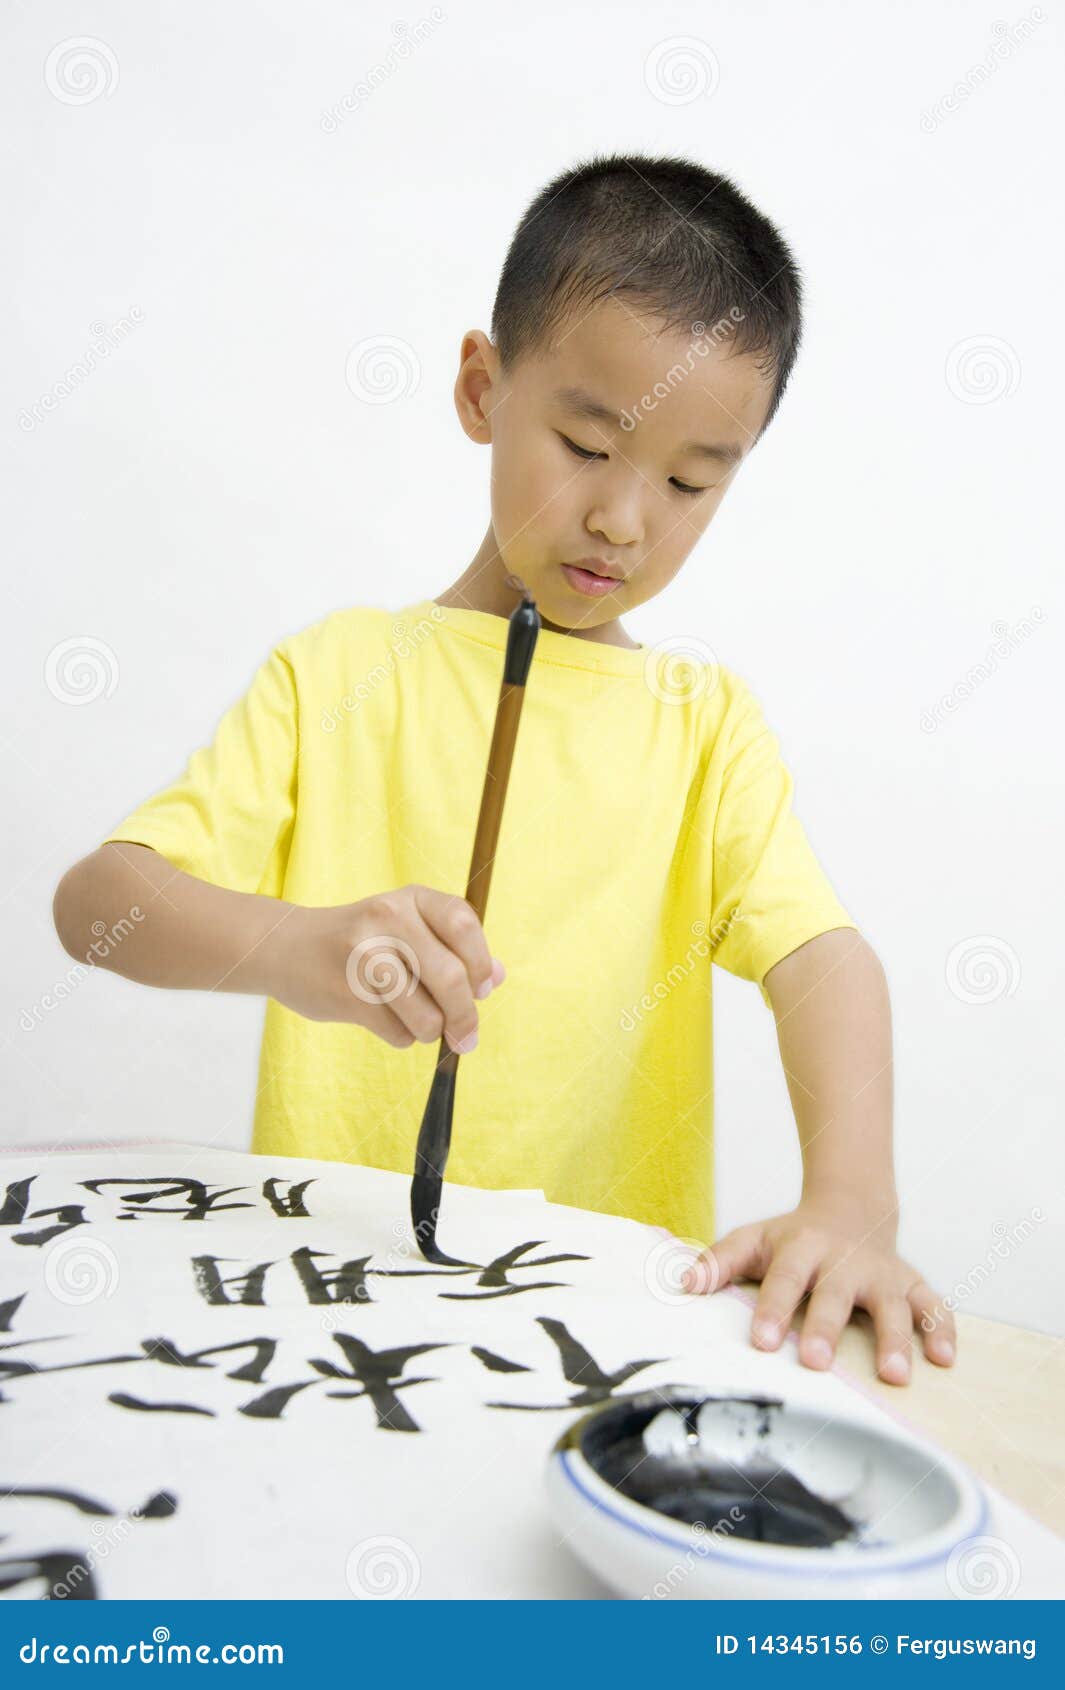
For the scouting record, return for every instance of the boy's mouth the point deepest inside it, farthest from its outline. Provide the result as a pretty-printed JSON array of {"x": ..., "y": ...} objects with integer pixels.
[{"x": 587, "y": 581}]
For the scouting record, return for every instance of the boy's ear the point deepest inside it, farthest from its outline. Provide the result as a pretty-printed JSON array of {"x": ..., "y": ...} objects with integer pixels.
[{"x": 478, "y": 373}]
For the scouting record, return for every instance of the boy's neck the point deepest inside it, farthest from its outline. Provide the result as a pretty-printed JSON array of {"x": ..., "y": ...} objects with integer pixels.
[{"x": 484, "y": 586}]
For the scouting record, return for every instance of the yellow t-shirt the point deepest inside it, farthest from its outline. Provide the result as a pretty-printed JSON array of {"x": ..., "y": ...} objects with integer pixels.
[{"x": 647, "y": 832}]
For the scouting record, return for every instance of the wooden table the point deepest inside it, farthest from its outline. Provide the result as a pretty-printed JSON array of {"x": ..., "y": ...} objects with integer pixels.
[{"x": 1000, "y": 1408}]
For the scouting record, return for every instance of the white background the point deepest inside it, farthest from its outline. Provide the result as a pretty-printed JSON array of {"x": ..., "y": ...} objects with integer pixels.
[{"x": 214, "y": 485}]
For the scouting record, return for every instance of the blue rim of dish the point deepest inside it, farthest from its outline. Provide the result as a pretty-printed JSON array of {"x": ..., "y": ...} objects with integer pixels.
[{"x": 565, "y": 1458}]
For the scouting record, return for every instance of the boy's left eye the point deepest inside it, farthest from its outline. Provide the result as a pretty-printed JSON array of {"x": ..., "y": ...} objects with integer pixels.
[{"x": 583, "y": 452}]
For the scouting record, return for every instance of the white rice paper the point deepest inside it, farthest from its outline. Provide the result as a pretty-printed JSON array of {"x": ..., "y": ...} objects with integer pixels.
[{"x": 317, "y": 1494}]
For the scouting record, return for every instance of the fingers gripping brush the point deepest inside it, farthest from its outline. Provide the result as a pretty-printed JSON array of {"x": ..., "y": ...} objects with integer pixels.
[{"x": 434, "y": 1135}]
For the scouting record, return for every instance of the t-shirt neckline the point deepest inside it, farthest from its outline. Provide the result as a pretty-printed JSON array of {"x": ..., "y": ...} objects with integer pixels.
[{"x": 551, "y": 647}]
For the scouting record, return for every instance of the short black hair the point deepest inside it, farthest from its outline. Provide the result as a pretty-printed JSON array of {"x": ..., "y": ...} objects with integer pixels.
[{"x": 677, "y": 241}]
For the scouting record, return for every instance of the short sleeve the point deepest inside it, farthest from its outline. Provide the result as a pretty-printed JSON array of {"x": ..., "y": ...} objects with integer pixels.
[
  {"x": 770, "y": 893},
  {"x": 228, "y": 819}
]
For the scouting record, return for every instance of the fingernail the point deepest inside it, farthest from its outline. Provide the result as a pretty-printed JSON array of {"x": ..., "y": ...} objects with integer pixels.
[
  {"x": 817, "y": 1352},
  {"x": 465, "y": 1045},
  {"x": 484, "y": 988},
  {"x": 895, "y": 1368},
  {"x": 499, "y": 973},
  {"x": 943, "y": 1348},
  {"x": 764, "y": 1332}
]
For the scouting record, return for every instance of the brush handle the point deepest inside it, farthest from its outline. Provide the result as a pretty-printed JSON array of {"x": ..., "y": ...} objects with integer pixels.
[
  {"x": 521, "y": 641},
  {"x": 500, "y": 757}
]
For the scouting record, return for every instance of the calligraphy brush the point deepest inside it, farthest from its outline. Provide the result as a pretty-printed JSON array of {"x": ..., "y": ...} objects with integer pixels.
[{"x": 434, "y": 1135}]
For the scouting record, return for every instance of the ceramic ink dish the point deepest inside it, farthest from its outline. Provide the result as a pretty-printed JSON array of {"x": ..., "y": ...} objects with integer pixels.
[{"x": 683, "y": 1493}]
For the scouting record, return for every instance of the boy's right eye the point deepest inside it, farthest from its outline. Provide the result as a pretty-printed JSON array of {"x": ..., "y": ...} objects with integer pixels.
[{"x": 581, "y": 451}]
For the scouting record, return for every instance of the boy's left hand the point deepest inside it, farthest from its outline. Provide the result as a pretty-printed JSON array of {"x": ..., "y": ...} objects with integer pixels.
[{"x": 844, "y": 1259}]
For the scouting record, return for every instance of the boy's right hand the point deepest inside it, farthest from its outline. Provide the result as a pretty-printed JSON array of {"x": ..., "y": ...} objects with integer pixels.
[{"x": 407, "y": 965}]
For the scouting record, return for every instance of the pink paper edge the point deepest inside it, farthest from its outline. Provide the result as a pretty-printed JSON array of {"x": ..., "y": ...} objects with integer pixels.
[{"x": 57, "y": 1149}]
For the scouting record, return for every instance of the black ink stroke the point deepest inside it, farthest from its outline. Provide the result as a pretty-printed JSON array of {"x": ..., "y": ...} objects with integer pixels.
[
  {"x": 494, "y": 1276},
  {"x": 200, "y": 1201},
  {"x": 157, "y": 1506},
  {"x": 292, "y": 1206},
  {"x": 580, "y": 1368},
  {"x": 15, "y": 1209},
  {"x": 497, "y": 1364},
  {"x": 252, "y": 1371},
  {"x": 9, "y": 1310},
  {"x": 62, "y": 1570},
  {"x": 24, "y": 1369},
  {"x": 346, "y": 1284},
  {"x": 211, "y": 1284},
  {"x": 66, "y": 1573},
  {"x": 350, "y": 1282},
  {"x": 123, "y": 1399},
  {"x": 379, "y": 1373}
]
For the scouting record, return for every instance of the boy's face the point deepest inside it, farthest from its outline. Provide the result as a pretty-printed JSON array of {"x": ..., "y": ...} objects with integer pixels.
[{"x": 571, "y": 484}]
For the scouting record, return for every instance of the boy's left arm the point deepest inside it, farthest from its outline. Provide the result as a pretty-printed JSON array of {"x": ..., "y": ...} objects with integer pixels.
[{"x": 833, "y": 1016}]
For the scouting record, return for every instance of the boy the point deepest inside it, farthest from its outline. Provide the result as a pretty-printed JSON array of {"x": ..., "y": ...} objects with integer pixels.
[{"x": 645, "y": 325}]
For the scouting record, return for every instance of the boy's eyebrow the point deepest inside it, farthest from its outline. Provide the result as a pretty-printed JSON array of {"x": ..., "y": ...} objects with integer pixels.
[{"x": 581, "y": 403}]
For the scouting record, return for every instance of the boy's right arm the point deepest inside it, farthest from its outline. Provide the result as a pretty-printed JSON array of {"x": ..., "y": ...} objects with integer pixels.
[
  {"x": 405, "y": 964},
  {"x": 153, "y": 923}
]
